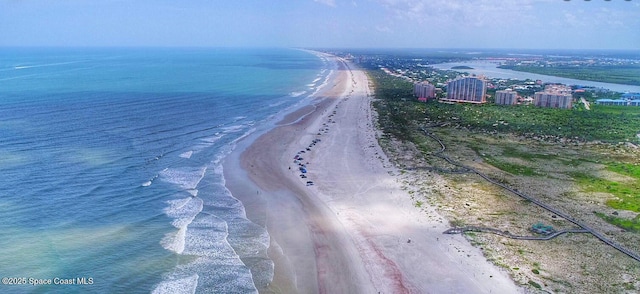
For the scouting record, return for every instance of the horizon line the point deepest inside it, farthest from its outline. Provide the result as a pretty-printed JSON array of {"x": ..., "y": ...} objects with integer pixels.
[{"x": 299, "y": 47}]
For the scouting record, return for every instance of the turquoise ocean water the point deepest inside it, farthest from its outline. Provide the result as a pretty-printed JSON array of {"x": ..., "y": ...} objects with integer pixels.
[{"x": 111, "y": 166}]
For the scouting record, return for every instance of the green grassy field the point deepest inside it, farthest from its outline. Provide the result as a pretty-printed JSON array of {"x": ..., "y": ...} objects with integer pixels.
[
  {"x": 602, "y": 123},
  {"x": 626, "y": 193}
]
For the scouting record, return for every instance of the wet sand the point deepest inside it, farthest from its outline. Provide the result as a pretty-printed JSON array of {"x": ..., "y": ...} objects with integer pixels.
[{"x": 355, "y": 230}]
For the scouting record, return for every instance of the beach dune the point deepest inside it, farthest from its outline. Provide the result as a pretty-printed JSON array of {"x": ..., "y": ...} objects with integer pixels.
[{"x": 355, "y": 230}]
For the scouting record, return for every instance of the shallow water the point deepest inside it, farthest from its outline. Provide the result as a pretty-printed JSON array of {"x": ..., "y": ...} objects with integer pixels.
[{"x": 111, "y": 163}]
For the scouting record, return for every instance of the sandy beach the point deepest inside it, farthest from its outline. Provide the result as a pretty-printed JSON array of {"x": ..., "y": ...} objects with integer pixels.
[{"x": 355, "y": 230}]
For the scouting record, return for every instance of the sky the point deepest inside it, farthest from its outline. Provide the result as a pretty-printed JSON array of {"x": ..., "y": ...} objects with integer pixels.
[{"x": 531, "y": 24}]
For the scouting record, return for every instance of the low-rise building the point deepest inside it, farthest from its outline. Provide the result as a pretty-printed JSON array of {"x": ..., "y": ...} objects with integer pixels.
[
  {"x": 631, "y": 96},
  {"x": 616, "y": 102}
]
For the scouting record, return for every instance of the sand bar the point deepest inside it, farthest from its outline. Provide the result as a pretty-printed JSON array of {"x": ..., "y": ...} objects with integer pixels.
[{"x": 354, "y": 230}]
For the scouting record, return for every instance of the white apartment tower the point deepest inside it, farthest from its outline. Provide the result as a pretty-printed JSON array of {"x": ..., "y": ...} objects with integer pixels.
[
  {"x": 467, "y": 89},
  {"x": 553, "y": 100},
  {"x": 424, "y": 90},
  {"x": 506, "y": 97},
  {"x": 555, "y": 96}
]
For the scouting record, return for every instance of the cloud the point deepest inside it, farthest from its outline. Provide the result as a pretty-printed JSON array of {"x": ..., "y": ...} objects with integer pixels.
[
  {"x": 573, "y": 20},
  {"x": 477, "y": 13},
  {"x": 384, "y": 29},
  {"x": 602, "y": 18},
  {"x": 331, "y": 3}
]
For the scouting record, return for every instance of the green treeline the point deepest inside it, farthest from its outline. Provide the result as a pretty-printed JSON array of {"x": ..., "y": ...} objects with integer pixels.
[
  {"x": 629, "y": 75},
  {"x": 399, "y": 110}
]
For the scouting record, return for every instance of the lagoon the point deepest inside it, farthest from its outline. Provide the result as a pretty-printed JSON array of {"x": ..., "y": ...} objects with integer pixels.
[{"x": 490, "y": 69}]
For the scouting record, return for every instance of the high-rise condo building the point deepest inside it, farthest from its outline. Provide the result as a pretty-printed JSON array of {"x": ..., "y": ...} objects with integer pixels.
[
  {"x": 506, "y": 97},
  {"x": 467, "y": 89},
  {"x": 554, "y": 100},
  {"x": 424, "y": 90},
  {"x": 554, "y": 96}
]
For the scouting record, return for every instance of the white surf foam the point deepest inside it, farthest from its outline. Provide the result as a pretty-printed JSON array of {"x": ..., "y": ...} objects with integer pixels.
[
  {"x": 186, "y": 178},
  {"x": 212, "y": 139},
  {"x": 204, "y": 143},
  {"x": 150, "y": 181},
  {"x": 295, "y": 94},
  {"x": 44, "y": 65},
  {"x": 217, "y": 268},
  {"x": 215, "y": 232},
  {"x": 183, "y": 211},
  {"x": 186, "y": 285},
  {"x": 233, "y": 129},
  {"x": 174, "y": 241},
  {"x": 325, "y": 82}
]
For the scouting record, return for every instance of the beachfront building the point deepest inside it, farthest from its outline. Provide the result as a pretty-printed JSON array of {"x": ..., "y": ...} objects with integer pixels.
[
  {"x": 506, "y": 97},
  {"x": 424, "y": 91},
  {"x": 553, "y": 100},
  {"x": 467, "y": 89}
]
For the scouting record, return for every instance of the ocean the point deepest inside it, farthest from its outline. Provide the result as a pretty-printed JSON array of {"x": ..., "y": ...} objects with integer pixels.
[{"x": 111, "y": 165}]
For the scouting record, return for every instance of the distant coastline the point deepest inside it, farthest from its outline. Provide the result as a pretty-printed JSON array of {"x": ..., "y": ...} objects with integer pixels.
[
  {"x": 622, "y": 76},
  {"x": 491, "y": 69}
]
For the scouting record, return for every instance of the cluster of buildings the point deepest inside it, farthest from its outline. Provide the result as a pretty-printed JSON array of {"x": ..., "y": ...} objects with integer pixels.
[
  {"x": 474, "y": 90},
  {"x": 467, "y": 89},
  {"x": 628, "y": 99}
]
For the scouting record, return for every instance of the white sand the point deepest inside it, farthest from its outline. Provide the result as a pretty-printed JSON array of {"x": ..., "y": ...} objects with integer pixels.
[{"x": 350, "y": 232}]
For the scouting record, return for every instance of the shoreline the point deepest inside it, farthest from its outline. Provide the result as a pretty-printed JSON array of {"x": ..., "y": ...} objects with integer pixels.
[{"x": 355, "y": 230}]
